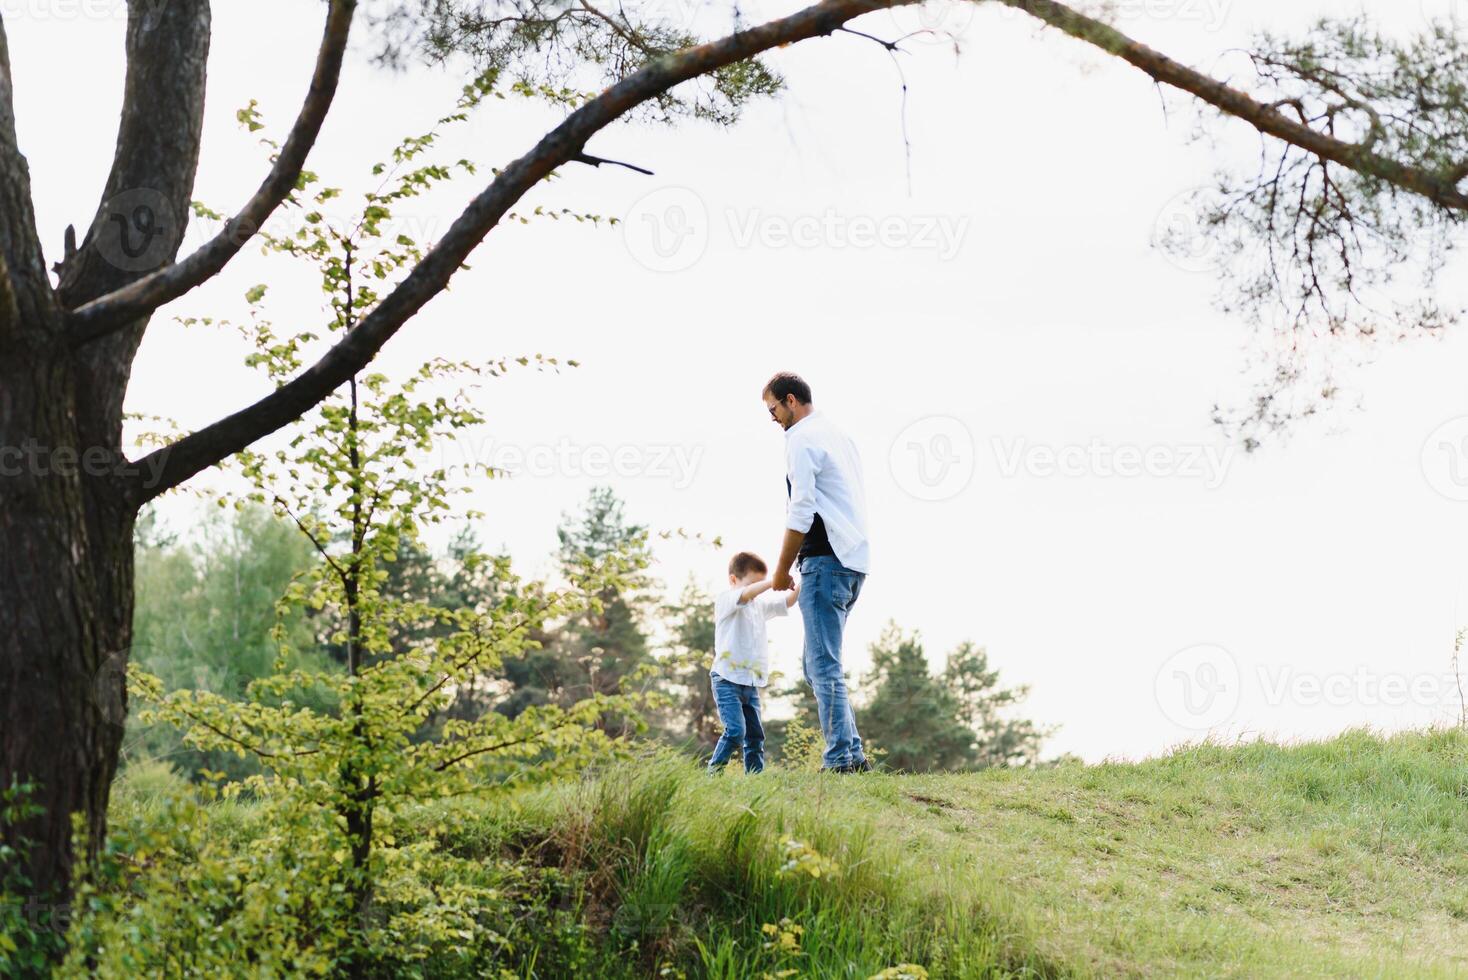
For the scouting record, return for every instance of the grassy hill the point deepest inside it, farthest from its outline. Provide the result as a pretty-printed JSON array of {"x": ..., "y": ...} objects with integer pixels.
[{"x": 1344, "y": 858}]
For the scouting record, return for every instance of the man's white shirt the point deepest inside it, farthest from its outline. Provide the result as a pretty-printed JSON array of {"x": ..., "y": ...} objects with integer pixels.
[
  {"x": 826, "y": 478},
  {"x": 742, "y": 653}
]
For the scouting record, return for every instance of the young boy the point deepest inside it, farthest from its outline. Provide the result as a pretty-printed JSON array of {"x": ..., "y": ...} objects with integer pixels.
[{"x": 742, "y": 659}]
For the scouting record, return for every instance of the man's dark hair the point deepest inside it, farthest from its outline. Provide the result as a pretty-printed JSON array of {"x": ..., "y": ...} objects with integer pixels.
[
  {"x": 744, "y": 563},
  {"x": 789, "y": 383}
]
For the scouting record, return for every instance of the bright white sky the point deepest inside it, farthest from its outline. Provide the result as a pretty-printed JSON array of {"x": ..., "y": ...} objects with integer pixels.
[{"x": 1013, "y": 294}]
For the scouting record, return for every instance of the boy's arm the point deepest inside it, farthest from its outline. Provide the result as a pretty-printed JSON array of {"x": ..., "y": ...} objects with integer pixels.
[
  {"x": 749, "y": 594},
  {"x": 793, "y": 597}
]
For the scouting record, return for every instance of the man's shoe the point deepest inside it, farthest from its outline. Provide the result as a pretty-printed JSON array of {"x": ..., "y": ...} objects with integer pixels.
[{"x": 849, "y": 768}]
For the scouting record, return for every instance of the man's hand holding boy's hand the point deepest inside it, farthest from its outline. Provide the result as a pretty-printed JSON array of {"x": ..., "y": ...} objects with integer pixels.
[{"x": 783, "y": 582}]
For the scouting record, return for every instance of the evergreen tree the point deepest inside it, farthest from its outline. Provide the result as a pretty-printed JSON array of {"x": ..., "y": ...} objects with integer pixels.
[
  {"x": 1001, "y": 742},
  {"x": 958, "y": 719},
  {"x": 690, "y": 655},
  {"x": 913, "y": 719},
  {"x": 605, "y": 647},
  {"x": 462, "y": 578}
]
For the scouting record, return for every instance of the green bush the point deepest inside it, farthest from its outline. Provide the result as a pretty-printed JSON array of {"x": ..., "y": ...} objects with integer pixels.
[
  {"x": 215, "y": 888},
  {"x": 32, "y": 927}
]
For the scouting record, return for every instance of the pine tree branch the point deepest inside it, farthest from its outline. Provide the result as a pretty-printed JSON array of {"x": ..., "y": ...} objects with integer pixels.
[{"x": 1360, "y": 157}]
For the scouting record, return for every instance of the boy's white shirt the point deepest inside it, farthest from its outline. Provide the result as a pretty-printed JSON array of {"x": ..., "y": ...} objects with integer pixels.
[{"x": 742, "y": 653}]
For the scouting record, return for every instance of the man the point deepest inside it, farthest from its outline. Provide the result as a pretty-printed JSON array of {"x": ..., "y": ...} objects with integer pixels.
[{"x": 826, "y": 531}]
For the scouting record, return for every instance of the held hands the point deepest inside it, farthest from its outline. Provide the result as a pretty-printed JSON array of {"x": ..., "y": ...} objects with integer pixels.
[{"x": 782, "y": 581}]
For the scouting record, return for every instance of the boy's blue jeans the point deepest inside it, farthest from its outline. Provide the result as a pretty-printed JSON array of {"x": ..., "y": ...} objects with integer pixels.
[
  {"x": 828, "y": 590},
  {"x": 739, "y": 711}
]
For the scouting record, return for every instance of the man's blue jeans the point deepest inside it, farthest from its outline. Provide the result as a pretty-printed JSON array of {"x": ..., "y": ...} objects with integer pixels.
[
  {"x": 828, "y": 590},
  {"x": 739, "y": 711}
]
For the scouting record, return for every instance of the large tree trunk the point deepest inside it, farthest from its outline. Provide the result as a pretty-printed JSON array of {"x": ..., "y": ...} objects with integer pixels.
[
  {"x": 67, "y": 494},
  {"x": 66, "y": 577}
]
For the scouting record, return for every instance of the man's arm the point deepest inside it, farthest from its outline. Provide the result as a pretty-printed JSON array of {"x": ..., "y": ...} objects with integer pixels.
[
  {"x": 800, "y": 465},
  {"x": 788, "y": 551}
]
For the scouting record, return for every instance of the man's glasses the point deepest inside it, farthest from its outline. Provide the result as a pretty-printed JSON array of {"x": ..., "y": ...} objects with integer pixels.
[{"x": 772, "y": 410}]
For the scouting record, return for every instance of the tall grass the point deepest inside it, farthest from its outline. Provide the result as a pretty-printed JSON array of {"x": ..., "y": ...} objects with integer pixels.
[
  {"x": 1347, "y": 857},
  {"x": 686, "y": 869}
]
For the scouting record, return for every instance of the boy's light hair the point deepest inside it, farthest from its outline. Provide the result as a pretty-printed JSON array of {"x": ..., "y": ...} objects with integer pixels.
[{"x": 744, "y": 563}]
